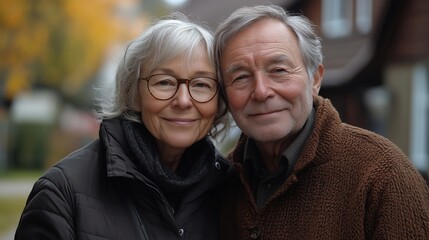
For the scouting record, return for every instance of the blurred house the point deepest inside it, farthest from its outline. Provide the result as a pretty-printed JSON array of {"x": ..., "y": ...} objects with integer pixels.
[{"x": 376, "y": 62}]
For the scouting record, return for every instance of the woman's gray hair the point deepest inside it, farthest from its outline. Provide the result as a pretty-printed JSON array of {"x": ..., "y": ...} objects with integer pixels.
[
  {"x": 165, "y": 39},
  {"x": 308, "y": 41}
]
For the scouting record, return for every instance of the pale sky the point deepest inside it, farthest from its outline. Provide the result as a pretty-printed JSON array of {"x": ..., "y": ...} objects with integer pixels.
[{"x": 175, "y": 3}]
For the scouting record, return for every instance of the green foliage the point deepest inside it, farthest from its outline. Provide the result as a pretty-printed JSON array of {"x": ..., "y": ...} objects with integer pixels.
[
  {"x": 20, "y": 174},
  {"x": 11, "y": 207},
  {"x": 10, "y": 210}
]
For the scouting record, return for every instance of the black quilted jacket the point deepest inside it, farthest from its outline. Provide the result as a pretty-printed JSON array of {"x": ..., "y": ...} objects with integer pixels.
[{"x": 97, "y": 192}]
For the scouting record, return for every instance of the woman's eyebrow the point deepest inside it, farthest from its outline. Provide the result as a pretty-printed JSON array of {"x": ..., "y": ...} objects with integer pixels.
[
  {"x": 172, "y": 72},
  {"x": 204, "y": 73}
]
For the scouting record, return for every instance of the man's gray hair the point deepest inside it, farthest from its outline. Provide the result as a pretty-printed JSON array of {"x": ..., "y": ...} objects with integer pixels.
[
  {"x": 164, "y": 40},
  {"x": 309, "y": 42}
]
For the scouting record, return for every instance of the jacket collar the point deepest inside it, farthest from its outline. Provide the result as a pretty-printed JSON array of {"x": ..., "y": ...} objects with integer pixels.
[
  {"x": 116, "y": 150},
  {"x": 120, "y": 165}
]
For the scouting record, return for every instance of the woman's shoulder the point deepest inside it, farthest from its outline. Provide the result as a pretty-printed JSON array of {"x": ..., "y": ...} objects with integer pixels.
[{"x": 75, "y": 167}]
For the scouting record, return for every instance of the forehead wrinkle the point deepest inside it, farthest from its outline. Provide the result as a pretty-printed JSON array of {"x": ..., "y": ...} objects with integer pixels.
[{"x": 278, "y": 58}]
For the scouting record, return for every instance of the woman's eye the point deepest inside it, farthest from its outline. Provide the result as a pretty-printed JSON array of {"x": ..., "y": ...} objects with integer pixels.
[
  {"x": 201, "y": 85},
  {"x": 164, "y": 82}
]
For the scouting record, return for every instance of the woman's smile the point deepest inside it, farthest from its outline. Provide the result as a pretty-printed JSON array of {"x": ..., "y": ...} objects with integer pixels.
[{"x": 180, "y": 121}]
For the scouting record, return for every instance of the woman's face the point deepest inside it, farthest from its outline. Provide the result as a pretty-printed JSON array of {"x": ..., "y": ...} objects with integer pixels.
[{"x": 180, "y": 121}]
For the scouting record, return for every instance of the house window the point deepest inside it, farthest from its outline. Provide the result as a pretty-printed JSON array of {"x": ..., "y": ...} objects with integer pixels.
[
  {"x": 419, "y": 144},
  {"x": 337, "y": 18},
  {"x": 363, "y": 15}
]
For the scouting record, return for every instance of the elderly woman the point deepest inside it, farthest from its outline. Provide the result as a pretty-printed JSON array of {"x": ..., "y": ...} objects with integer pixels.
[{"x": 154, "y": 172}]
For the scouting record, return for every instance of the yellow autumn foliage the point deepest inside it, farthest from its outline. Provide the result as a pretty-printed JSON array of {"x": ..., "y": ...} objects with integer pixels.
[{"x": 57, "y": 43}]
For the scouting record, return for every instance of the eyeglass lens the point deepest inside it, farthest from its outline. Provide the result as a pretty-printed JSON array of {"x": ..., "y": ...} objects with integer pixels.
[{"x": 163, "y": 87}]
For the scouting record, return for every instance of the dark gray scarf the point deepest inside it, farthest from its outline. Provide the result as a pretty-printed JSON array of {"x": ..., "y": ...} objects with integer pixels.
[{"x": 194, "y": 165}]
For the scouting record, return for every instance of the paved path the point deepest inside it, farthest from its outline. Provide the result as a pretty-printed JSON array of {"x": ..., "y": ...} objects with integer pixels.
[
  {"x": 14, "y": 188},
  {"x": 8, "y": 236}
]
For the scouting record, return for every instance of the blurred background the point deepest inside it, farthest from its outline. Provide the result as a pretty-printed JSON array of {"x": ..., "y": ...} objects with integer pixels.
[{"x": 57, "y": 56}]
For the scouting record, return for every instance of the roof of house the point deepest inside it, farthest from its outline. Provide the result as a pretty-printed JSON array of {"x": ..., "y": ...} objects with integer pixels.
[
  {"x": 215, "y": 11},
  {"x": 395, "y": 34}
]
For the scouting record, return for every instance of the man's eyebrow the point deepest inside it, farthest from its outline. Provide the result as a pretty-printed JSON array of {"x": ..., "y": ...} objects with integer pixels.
[
  {"x": 279, "y": 59},
  {"x": 234, "y": 68}
]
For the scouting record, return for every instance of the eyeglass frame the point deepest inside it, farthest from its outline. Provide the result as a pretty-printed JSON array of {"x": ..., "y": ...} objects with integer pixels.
[{"x": 180, "y": 81}]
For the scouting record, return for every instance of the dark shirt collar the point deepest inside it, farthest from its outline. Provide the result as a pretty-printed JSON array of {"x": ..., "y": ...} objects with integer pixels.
[
  {"x": 293, "y": 152},
  {"x": 289, "y": 156}
]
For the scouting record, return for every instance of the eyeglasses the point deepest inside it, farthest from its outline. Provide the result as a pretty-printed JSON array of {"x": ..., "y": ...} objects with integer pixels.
[{"x": 164, "y": 87}]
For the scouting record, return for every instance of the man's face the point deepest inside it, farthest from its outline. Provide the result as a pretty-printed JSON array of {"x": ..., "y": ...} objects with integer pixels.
[{"x": 269, "y": 91}]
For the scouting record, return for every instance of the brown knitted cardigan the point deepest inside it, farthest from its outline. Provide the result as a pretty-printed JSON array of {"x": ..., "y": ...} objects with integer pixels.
[{"x": 348, "y": 183}]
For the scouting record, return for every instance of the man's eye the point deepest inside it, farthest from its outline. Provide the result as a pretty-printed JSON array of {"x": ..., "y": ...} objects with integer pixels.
[
  {"x": 241, "y": 77},
  {"x": 241, "y": 81},
  {"x": 280, "y": 70}
]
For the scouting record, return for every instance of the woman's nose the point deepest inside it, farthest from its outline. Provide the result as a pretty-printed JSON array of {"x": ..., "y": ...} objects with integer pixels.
[{"x": 182, "y": 97}]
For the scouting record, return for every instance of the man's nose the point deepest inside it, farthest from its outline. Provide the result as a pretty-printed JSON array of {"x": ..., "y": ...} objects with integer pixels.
[{"x": 262, "y": 88}]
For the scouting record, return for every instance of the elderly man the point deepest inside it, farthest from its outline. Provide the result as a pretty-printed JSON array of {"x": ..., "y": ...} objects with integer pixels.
[{"x": 301, "y": 173}]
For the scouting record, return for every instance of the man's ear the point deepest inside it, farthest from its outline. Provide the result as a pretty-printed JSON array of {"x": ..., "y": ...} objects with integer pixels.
[{"x": 317, "y": 79}]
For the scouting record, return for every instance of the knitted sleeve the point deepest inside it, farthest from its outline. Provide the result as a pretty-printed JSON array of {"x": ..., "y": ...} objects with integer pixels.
[{"x": 398, "y": 202}]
